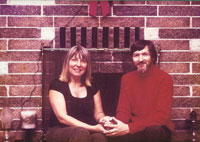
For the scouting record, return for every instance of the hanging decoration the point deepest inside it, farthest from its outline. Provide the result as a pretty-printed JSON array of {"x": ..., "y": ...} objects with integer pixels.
[{"x": 104, "y": 8}]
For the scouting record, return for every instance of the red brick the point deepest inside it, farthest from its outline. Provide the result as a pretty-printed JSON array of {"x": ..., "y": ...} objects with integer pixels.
[
  {"x": 195, "y": 22},
  {"x": 122, "y": 56},
  {"x": 141, "y": 33},
  {"x": 175, "y": 67},
  {"x": 128, "y": 2},
  {"x": 196, "y": 67},
  {"x": 20, "y": 79},
  {"x": 172, "y": 44},
  {"x": 20, "y": 56},
  {"x": 179, "y": 56},
  {"x": 17, "y": 102},
  {"x": 122, "y": 22},
  {"x": 135, "y": 10},
  {"x": 76, "y": 22},
  {"x": 20, "y": 33},
  {"x": 179, "y": 33},
  {"x": 169, "y": 2},
  {"x": 100, "y": 56},
  {"x": 3, "y": 44},
  {"x": 28, "y": 44},
  {"x": 30, "y": 21},
  {"x": 25, "y": 90},
  {"x": 186, "y": 79},
  {"x": 3, "y": 91},
  {"x": 181, "y": 91},
  {"x": 186, "y": 102},
  {"x": 180, "y": 113},
  {"x": 115, "y": 67},
  {"x": 24, "y": 67},
  {"x": 168, "y": 22},
  {"x": 179, "y": 11},
  {"x": 57, "y": 38},
  {"x": 3, "y": 21},
  {"x": 196, "y": 91},
  {"x": 50, "y": 57},
  {"x": 195, "y": 2},
  {"x": 70, "y": 2},
  {"x": 3, "y": 1},
  {"x": 20, "y": 10},
  {"x": 66, "y": 10}
]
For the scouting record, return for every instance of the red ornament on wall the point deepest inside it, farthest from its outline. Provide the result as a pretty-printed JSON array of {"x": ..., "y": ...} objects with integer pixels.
[{"x": 104, "y": 7}]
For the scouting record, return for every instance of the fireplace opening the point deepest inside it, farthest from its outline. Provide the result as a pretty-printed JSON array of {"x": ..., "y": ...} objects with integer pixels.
[{"x": 109, "y": 85}]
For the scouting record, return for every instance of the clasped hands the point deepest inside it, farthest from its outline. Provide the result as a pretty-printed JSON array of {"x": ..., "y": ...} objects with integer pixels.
[{"x": 113, "y": 126}]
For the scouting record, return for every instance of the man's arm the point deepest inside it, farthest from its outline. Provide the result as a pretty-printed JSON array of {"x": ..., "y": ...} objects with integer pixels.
[
  {"x": 123, "y": 108},
  {"x": 119, "y": 128}
]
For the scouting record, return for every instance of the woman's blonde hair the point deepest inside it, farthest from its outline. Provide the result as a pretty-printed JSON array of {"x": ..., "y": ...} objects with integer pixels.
[{"x": 65, "y": 75}]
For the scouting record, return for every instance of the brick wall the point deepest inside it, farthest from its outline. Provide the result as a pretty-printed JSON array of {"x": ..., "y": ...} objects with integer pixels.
[{"x": 174, "y": 26}]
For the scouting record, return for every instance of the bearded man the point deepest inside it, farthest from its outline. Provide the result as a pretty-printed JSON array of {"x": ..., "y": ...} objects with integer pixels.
[{"x": 144, "y": 108}]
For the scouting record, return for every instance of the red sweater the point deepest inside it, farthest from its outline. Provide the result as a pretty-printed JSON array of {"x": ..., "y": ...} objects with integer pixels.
[{"x": 146, "y": 100}]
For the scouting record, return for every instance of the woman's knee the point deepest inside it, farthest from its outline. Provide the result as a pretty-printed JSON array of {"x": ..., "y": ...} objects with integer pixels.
[
  {"x": 78, "y": 131},
  {"x": 80, "y": 135},
  {"x": 68, "y": 134},
  {"x": 98, "y": 137}
]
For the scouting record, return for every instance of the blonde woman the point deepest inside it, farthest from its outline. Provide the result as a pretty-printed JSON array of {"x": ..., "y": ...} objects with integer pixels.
[{"x": 75, "y": 102}]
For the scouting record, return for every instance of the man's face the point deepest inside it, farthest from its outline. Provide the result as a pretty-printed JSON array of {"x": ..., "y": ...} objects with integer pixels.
[{"x": 142, "y": 60}]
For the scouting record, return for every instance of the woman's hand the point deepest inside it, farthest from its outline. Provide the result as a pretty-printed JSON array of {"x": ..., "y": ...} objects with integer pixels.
[{"x": 99, "y": 128}]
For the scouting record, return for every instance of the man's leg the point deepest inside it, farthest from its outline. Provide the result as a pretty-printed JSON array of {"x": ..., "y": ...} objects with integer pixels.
[
  {"x": 137, "y": 137},
  {"x": 157, "y": 134},
  {"x": 150, "y": 134}
]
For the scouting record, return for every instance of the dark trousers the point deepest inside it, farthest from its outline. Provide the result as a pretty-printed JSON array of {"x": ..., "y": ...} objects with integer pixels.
[
  {"x": 150, "y": 134},
  {"x": 73, "y": 134}
]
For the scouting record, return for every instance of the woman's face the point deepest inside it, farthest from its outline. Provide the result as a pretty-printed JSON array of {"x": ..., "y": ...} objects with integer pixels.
[{"x": 77, "y": 66}]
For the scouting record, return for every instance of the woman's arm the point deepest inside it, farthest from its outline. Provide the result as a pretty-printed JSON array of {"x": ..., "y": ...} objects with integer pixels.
[
  {"x": 98, "y": 110},
  {"x": 57, "y": 102}
]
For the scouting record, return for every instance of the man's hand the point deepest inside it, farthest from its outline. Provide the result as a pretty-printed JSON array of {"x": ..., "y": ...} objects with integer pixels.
[
  {"x": 105, "y": 119},
  {"x": 117, "y": 129}
]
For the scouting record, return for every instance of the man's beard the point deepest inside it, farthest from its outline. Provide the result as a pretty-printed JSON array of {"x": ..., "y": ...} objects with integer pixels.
[{"x": 142, "y": 67}]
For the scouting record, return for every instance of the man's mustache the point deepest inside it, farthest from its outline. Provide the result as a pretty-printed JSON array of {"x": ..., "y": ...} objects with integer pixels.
[{"x": 141, "y": 63}]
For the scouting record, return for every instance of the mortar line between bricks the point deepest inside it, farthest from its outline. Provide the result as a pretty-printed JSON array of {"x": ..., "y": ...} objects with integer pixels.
[
  {"x": 187, "y": 85},
  {"x": 31, "y": 62},
  {"x": 186, "y": 96},
  {"x": 67, "y": 16},
  {"x": 19, "y": 108},
  {"x": 25, "y": 85},
  {"x": 128, "y": 4},
  {"x": 180, "y": 108}
]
